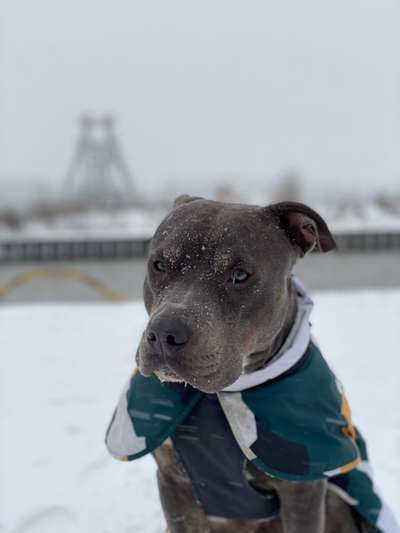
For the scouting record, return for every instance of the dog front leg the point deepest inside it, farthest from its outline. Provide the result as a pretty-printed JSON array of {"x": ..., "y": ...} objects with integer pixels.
[
  {"x": 302, "y": 505},
  {"x": 182, "y": 511}
]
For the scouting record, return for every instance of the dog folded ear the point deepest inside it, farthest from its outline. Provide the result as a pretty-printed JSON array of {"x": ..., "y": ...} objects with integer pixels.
[
  {"x": 185, "y": 199},
  {"x": 305, "y": 228}
]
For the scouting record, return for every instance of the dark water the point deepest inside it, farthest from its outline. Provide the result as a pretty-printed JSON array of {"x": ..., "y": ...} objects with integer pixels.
[{"x": 333, "y": 271}]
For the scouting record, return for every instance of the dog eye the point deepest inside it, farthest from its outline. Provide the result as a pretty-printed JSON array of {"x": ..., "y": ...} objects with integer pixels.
[
  {"x": 160, "y": 266},
  {"x": 239, "y": 276}
]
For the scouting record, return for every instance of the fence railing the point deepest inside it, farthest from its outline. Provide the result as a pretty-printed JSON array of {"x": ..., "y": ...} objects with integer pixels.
[
  {"x": 368, "y": 241},
  {"x": 35, "y": 250}
]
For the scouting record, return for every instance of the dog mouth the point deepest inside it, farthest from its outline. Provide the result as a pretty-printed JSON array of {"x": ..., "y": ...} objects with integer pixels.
[
  {"x": 167, "y": 374},
  {"x": 202, "y": 381},
  {"x": 176, "y": 370}
]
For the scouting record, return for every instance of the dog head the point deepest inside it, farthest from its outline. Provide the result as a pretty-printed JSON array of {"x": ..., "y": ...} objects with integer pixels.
[{"x": 217, "y": 286}]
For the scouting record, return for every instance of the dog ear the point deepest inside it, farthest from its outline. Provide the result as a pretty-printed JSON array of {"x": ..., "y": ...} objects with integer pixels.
[
  {"x": 305, "y": 228},
  {"x": 185, "y": 199}
]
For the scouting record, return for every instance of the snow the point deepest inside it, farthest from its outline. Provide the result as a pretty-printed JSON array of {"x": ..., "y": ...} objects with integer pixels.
[
  {"x": 141, "y": 223},
  {"x": 371, "y": 220},
  {"x": 138, "y": 223},
  {"x": 62, "y": 370}
]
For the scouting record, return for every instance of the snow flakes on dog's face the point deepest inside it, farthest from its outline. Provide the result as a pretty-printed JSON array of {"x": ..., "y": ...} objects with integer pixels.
[
  {"x": 172, "y": 253},
  {"x": 223, "y": 259}
]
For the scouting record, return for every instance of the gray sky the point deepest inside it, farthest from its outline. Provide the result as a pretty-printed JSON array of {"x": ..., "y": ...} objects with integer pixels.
[{"x": 206, "y": 88}]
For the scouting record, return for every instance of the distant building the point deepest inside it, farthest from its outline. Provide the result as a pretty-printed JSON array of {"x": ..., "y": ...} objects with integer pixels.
[{"x": 98, "y": 175}]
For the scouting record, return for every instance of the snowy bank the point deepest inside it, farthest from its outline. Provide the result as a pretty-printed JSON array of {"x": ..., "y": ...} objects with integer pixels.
[
  {"x": 62, "y": 369},
  {"x": 141, "y": 223}
]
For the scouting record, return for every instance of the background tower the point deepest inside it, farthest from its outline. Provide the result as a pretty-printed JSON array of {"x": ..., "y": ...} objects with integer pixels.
[{"x": 98, "y": 174}]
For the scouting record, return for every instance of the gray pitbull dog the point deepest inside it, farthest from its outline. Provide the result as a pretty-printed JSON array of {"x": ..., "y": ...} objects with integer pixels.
[{"x": 220, "y": 300}]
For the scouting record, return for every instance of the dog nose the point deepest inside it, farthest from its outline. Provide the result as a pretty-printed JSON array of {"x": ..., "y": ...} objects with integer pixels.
[{"x": 168, "y": 334}]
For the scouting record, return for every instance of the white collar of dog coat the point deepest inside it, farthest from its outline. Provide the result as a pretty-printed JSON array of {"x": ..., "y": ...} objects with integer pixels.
[{"x": 291, "y": 351}]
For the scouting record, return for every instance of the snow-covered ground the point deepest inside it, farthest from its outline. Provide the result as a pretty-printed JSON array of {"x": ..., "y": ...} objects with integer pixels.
[{"x": 62, "y": 368}]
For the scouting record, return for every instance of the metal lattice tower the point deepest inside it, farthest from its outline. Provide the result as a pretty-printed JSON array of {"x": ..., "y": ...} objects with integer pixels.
[{"x": 98, "y": 174}]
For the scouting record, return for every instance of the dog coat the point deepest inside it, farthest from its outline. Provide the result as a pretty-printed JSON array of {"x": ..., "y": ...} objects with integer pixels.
[{"x": 291, "y": 419}]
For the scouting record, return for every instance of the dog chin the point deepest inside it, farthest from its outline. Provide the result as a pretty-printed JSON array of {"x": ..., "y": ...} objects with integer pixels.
[
  {"x": 209, "y": 384},
  {"x": 168, "y": 376}
]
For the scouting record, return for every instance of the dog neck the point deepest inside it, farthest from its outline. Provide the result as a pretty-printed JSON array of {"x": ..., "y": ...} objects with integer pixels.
[{"x": 258, "y": 360}]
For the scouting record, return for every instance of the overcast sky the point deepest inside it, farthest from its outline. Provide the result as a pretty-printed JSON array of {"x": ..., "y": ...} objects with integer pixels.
[{"x": 207, "y": 88}]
